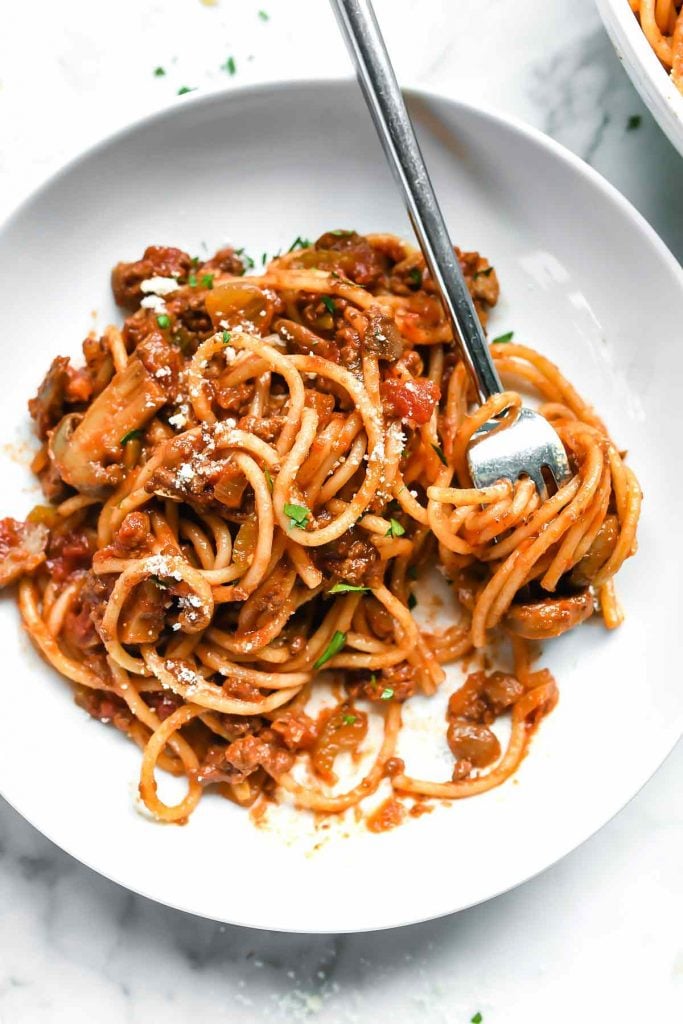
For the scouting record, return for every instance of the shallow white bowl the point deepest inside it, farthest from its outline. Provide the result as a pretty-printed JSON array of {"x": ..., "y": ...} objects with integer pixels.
[
  {"x": 644, "y": 69},
  {"x": 584, "y": 279}
]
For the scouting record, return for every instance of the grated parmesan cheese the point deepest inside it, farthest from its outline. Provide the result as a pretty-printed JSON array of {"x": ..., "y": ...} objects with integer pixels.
[
  {"x": 178, "y": 420},
  {"x": 159, "y": 285},
  {"x": 154, "y": 302}
]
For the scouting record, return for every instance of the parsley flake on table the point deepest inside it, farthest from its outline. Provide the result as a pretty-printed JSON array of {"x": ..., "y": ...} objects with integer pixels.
[
  {"x": 159, "y": 72},
  {"x": 230, "y": 66},
  {"x": 297, "y": 515},
  {"x": 477, "y": 1019},
  {"x": 335, "y": 645},
  {"x": 184, "y": 89},
  {"x": 633, "y": 122}
]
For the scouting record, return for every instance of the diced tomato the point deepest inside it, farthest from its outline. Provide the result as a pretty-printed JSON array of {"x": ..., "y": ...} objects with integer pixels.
[
  {"x": 67, "y": 553},
  {"x": 410, "y": 400}
]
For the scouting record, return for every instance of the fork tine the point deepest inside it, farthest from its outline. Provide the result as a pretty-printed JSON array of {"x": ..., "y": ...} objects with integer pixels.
[{"x": 541, "y": 485}]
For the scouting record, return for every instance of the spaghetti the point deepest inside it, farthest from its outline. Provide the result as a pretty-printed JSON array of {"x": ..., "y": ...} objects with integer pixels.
[
  {"x": 243, "y": 484},
  {"x": 662, "y": 24}
]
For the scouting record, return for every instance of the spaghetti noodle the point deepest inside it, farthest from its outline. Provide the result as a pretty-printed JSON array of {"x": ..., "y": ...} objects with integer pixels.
[
  {"x": 662, "y": 24},
  {"x": 243, "y": 484}
]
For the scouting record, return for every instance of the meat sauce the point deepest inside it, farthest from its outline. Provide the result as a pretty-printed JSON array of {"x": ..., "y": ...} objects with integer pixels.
[
  {"x": 471, "y": 711},
  {"x": 22, "y": 548},
  {"x": 388, "y": 815},
  {"x": 252, "y": 750},
  {"x": 340, "y": 730}
]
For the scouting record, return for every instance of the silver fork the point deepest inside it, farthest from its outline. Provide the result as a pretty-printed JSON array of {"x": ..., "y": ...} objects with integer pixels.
[{"x": 527, "y": 445}]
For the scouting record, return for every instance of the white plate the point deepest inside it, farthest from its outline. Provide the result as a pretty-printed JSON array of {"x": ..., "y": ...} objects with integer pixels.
[
  {"x": 584, "y": 278},
  {"x": 650, "y": 78}
]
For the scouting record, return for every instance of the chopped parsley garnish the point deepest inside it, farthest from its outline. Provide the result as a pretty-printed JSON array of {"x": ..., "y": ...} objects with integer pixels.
[
  {"x": 185, "y": 89},
  {"x": 195, "y": 261},
  {"x": 386, "y": 693},
  {"x": 328, "y": 303},
  {"x": 299, "y": 243},
  {"x": 230, "y": 66},
  {"x": 502, "y": 339},
  {"x": 349, "y": 719},
  {"x": 163, "y": 320},
  {"x": 297, "y": 515},
  {"x": 477, "y": 1019},
  {"x": 192, "y": 280},
  {"x": 269, "y": 479},
  {"x": 264, "y": 258},
  {"x": 484, "y": 273},
  {"x": 264, "y": 16},
  {"x": 415, "y": 275},
  {"x": 335, "y": 645},
  {"x": 341, "y": 232},
  {"x": 247, "y": 261},
  {"x": 633, "y": 122},
  {"x": 347, "y": 588},
  {"x": 395, "y": 529},
  {"x": 226, "y": 337},
  {"x": 440, "y": 453},
  {"x": 132, "y": 435},
  {"x": 412, "y": 601},
  {"x": 206, "y": 281},
  {"x": 159, "y": 72}
]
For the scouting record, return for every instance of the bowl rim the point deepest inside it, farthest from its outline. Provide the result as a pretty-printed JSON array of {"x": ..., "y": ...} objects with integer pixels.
[
  {"x": 650, "y": 78},
  {"x": 217, "y": 97},
  {"x": 529, "y": 133}
]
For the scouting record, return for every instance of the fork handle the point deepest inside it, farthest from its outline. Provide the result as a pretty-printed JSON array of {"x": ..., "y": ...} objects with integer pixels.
[{"x": 378, "y": 82}]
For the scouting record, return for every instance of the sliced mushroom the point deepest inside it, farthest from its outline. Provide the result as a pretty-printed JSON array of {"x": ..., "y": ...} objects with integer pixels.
[
  {"x": 85, "y": 451},
  {"x": 473, "y": 742},
  {"x": 550, "y": 617},
  {"x": 598, "y": 553},
  {"x": 382, "y": 337}
]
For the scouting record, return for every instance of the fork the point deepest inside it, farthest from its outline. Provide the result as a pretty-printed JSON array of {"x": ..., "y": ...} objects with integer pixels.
[{"x": 525, "y": 444}]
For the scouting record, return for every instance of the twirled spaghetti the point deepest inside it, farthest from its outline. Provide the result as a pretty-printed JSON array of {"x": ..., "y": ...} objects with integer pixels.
[{"x": 245, "y": 481}]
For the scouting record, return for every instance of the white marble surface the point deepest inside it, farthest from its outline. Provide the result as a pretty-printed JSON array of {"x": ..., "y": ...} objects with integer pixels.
[{"x": 597, "y": 937}]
